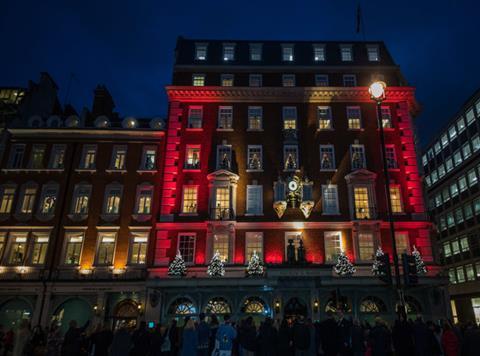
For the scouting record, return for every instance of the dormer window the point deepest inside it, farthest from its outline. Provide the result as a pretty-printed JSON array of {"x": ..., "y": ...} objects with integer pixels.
[
  {"x": 198, "y": 80},
  {"x": 200, "y": 51},
  {"x": 224, "y": 157},
  {"x": 346, "y": 53},
  {"x": 290, "y": 158},
  {"x": 228, "y": 52},
  {"x": 255, "y": 51},
  {"x": 319, "y": 52},
  {"x": 287, "y": 53},
  {"x": 373, "y": 53}
]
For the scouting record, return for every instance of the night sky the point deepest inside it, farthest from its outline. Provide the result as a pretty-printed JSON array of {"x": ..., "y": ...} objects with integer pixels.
[{"x": 128, "y": 45}]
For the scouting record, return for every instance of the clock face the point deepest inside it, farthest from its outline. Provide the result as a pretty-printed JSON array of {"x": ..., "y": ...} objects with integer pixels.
[{"x": 292, "y": 186}]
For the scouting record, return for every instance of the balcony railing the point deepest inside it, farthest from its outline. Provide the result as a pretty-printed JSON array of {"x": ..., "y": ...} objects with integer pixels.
[
  {"x": 192, "y": 165},
  {"x": 365, "y": 213},
  {"x": 222, "y": 214}
]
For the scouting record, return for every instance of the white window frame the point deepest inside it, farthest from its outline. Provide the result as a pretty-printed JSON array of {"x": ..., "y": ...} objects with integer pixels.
[
  {"x": 250, "y": 210},
  {"x": 67, "y": 236},
  {"x": 336, "y": 245},
  {"x": 354, "y": 110},
  {"x": 373, "y": 53},
  {"x": 194, "y": 209},
  {"x": 319, "y": 54},
  {"x": 56, "y": 152},
  {"x": 199, "y": 47},
  {"x": 11, "y": 241},
  {"x": 41, "y": 238},
  {"x": 109, "y": 188},
  {"x": 328, "y": 149},
  {"x": 143, "y": 235},
  {"x": 258, "y": 148},
  {"x": 400, "y": 198},
  {"x": 227, "y": 80},
  {"x": 328, "y": 118},
  {"x": 115, "y": 151},
  {"x": 288, "y": 52},
  {"x": 288, "y": 80},
  {"x": 144, "y": 187},
  {"x": 296, "y": 236},
  {"x": 322, "y": 80},
  {"x": 189, "y": 163},
  {"x": 225, "y": 117},
  {"x": 373, "y": 241},
  {"x": 346, "y": 53},
  {"x": 255, "y": 116},
  {"x": 85, "y": 151},
  {"x": 294, "y": 117},
  {"x": 100, "y": 235},
  {"x": 219, "y": 148},
  {"x": 228, "y": 52},
  {"x": 249, "y": 236},
  {"x": 193, "y": 120},
  {"x": 255, "y": 52},
  {"x": 189, "y": 234},
  {"x": 349, "y": 78},
  {"x": 198, "y": 79},
  {"x": 297, "y": 158},
  {"x": 143, "y": 163},
  {"x": 361, "y": 148},
  {"x": 334, "y": 188},
  {"x": 255, "y": 80}
]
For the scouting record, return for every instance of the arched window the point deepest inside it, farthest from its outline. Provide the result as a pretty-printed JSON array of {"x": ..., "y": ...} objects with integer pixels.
[
  {"x": 72, "y": 309},
  {"x": 13, "y": 312},
  {"x": 331, "y": 306},
  {"x": 372, "y": 305},
  {"x": 254, "y": 305},
  {"x": 217, "y": 305},
  {"x": 412, "y": 305},
  {"x": 182, "y": 306}
]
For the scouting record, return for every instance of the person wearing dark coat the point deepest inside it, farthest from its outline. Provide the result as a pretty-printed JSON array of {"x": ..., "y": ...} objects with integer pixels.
[
  {"x": 267, "y": 339},
  {"x": 140, "y": 340},
  {"x": 156, "y": 341},
  {"x": 214, "y": 324},
  {"x": 285, "y": 339},
  {"x": 101, "y": 341},
  {"x": 301, "y": 337},
  {"x": 402, "y": 335},
  {"x": 343, "y": 330},
  {"x": 329, "y": 336},
  {"x": 358, "y": 339},
  {"x": 421, "y": 337},
  {"x": 471, "y": 341},
  {"x": 73, "y": 340},
  {"x": 203, "y": 333},
  {"x": 380, "y": 339},
  {"x": 247, "y": 337}
]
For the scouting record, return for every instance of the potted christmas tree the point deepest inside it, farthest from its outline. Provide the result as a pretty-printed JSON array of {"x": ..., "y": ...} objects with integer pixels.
[
  {"x": 177, "y": 267},
  {"x": 344, "y": 267},
  {"x": 255, "y": 266},
  {"x": 421, "y": 268},
  {"x": 216, "y": 268},
  {"x": 376, "y": 262}
]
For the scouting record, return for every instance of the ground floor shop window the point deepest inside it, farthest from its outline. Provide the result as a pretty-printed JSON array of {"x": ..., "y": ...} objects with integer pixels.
[
  {"x": 73, "y": 309},
  {"x": 13, "y": 312}
]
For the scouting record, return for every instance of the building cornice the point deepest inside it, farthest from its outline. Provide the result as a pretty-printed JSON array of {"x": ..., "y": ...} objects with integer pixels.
[
  {"x": 291, "y": 69},
  {"x": 97, "y": 133},
  {"x": 284, "y": 95}
]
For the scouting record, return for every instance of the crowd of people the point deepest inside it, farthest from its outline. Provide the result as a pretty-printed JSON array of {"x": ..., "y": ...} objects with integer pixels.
[{"x": 334, "y": 336}]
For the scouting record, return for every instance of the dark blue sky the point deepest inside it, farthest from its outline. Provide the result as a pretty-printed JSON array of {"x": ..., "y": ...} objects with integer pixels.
[{"x": 128, "y": 45}]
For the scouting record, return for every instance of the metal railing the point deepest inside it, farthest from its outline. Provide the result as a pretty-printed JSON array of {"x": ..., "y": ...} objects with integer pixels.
[
  {"x": 365, "y": 213},
  {"x": 222, "y": 214}
]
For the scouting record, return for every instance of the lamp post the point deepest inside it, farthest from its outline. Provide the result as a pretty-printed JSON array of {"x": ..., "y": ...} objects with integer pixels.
[{"x": 377, "y": 94}]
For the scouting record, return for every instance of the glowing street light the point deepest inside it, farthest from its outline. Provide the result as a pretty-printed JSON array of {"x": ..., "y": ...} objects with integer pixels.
[{"x": 377, "y": 91}]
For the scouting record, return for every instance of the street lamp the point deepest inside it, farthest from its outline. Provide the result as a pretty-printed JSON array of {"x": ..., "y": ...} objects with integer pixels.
[{"x": 377, "y": 94}]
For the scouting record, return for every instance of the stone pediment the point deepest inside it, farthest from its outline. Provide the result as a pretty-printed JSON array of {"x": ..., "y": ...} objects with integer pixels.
[
  {"x": 223, "y": 174},
  {"x": 361, "y": 175}
]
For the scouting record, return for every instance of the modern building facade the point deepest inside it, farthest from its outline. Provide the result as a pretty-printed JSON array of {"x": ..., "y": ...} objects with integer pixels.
[
  {"x": 79, "y": 194},
  {"x": 451, "y": 164},
  {"x": 273, "y": 147}
]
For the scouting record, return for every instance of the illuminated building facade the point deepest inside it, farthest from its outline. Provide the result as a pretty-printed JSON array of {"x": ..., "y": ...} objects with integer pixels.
[
  {"x": 79, "y": 194},
  {"x": 451, "y": 164},
  {"x": 273, "y": 147}
]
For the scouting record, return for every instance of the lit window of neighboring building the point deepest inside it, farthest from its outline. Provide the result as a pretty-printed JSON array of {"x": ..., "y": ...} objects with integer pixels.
[
  {"x": 254, "y": 158},
  {"x": 105, "y": 248},
  {"x": 40, "y": 246},
  {"x": 289, "y": 114},
  {"x": 228, "y": 51},
  {"x": 324, "y": 117},
  {"x": 189, "y": 202},
  {"x": 287, "y": 53},
  {"x": 386, "y": 117},
  {"x": 354, "y": 117},
  {"x": 3, "y": 242},
  {"x": 200, "y": 51},
  {"x": 290, "y": 157},
  {"x": 255, "y": 51},
  {"x": 319, "y": 52},
  {"x": 73, "y": 247},
  {"x": 18, "y": 248},
  {"x": 452, "y": 277},
  {"x": 437, "y": 148},
  {"x": 453, "y": 189},
  {"x": 254, "y": 200},
  {"x": 366, "y": 246},
  {"x": 144, "y": 199},
  {"x": 464, "y": 245},
  {"x": 444, "y": 140},
  {"x": 119, "y": 157},
  {"x": 455, "y": 247},
  {"x": 447, "y": 251},
  {"x": 255, "y": 80},
  {"x": 424, "y": 160},
  {"x": 467, "y": 209},
  {"x": 450, "y": 220},
  {"x": 357, "y": 156},
  {"x": 253, "y": 243},
  {"x": 149, "y": 158},
  {"x": 470, "y": 272},
  {"x": 460, "y": 124},
  {"x": 466, "y": 150},
  {"x": 349, "y": 80},
  {"x": 327, "y": 158},
  {"x": 476, "y": 143},
  {"x": 449, "y": 164},
  {"x": 225, "y": 117},
  {"x": 81, "y": 198},
  {"x": 373, "y": 53},
  {"x": 255, "y": 118},
  {"x": 16, "y": 156},
  {"x": 346, "y": 53},
  {"x": 7, "y": 192},
  {"x": 57, "y": 157},
  {"x": 462, "y": 184},
  {"x": 333, "y": 245},
  {"x": 221, "y": 245},
  {"x": 288, "y": 80},
  {"x": 457, "y": 158},
  {"x": 138, "y": 248},
  {"x": 48, "y": 199},
  {"x": 36, "y": 156},
  {"x": 27, "y": 199},
  {"x": 321, "y": 80},
  {"x": 396, "y": 199},
  {"x": 460, "y": 274},
  {"x": 472, "y": 177},
  {"x": 227, "y": 80},
  {"x": 192, "y": 157},
  {"x": 88, "y": 157},
  {"x": 113, "y": 195},
  {"x": 452, "y": 132},
  {"x": 330, "y": 199},
  {"x": 470, "y": 116},
  {"x": 441, "y": 171},
  {"x": 402, "y": 242},
  {"x": 195, "y": 117},
  {"x": 186, "y": 247},
  {"x": 458, "y": 215},
  {"x": 198, "y": 80}
]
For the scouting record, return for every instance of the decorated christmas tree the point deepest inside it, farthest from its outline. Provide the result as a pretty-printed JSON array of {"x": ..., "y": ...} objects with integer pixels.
[
  {"x": 255, "y": 266},
  {"x": 344, "y": 267},
  {"x": 376, "y": 262},
  {"x": 216, "y": 268},
  {"x": 177, "y": 267},
  {"x": 421, "y": 268}
]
